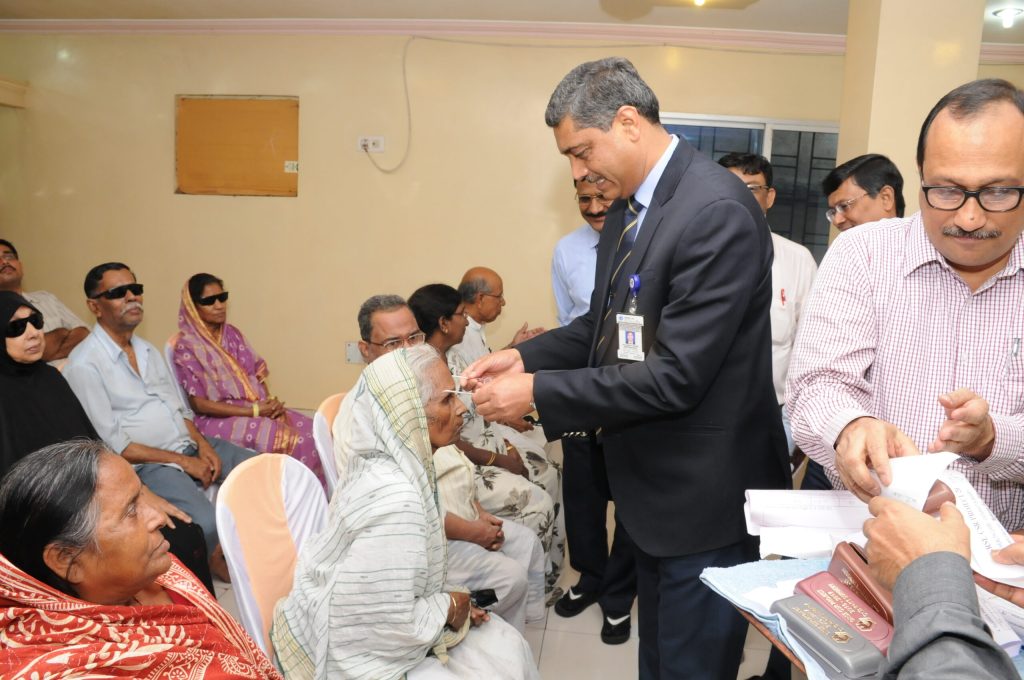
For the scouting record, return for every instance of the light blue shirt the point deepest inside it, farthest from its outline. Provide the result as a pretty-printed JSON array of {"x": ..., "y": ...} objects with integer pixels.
[
  {"x": 645, "y": 192},
  {"x": 123, "y": 406},
  {"x": 572, "y": 272}
]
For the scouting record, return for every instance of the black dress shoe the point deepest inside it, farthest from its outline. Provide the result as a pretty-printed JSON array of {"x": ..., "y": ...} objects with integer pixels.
[
  {"x": 572, "y": 603},
  {"x": 615, "y": 629}
]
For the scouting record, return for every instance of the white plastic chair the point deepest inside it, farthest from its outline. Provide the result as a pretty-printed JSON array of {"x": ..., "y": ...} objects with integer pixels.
[
  {"x": 323, "y": 421},
  {"x": 267, "y": 507}
]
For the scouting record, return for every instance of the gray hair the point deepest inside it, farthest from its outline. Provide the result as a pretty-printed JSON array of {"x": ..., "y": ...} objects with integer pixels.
[
  {"x": 49, "y": 498},
  {"x": 594, "y": 92},
  {"x": 421, "y": 358},
  {"x": 377, "y": 303},
  {"x": 468, "y": 290}
]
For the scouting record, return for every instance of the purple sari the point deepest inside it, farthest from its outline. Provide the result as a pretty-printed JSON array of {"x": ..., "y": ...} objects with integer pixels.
[{"x": 227, "y": 369}]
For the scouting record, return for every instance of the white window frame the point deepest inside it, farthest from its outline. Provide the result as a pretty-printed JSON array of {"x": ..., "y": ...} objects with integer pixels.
[{"x": 767, "y": 125}]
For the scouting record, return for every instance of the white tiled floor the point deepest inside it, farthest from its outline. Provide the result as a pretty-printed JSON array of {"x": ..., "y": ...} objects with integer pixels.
[{"x": 571, "y": 649}]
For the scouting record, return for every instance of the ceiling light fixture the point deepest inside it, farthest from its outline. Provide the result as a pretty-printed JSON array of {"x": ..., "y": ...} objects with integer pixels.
[
  {"x": 699, "y": 3},
  {"x": 1007, "y": 15}
]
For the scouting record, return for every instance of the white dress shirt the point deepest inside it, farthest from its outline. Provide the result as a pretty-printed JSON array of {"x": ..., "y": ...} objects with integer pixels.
[{"x": 792, "y": 274}]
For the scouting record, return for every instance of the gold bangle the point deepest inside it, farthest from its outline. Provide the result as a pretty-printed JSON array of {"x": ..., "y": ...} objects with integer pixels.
[
  {"x": 490, "y": 461},
  {"x": 255, "y": 410},
  {"x": 455, "y": 605}
]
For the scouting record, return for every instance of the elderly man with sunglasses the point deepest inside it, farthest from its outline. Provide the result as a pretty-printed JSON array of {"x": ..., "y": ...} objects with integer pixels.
[
  {"x": 911, "y": 338},
  {"x": 137, "y": 409}
]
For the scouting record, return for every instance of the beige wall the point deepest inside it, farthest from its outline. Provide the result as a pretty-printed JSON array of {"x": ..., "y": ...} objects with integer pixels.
[
  {"x": 1012, "y": 72},
  {"x": 87, "y": 172}
]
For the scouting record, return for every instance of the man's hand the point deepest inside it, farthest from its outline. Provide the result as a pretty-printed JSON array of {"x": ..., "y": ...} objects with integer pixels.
[
  {"x": 512, "y": 461},
  {"x": 523, "y": 334},
  {"x": 869, "y": 442},
  {"x": 506, "y": 398},
  {"x": 488, "y": 367},
  {"x": 197, "y": 469},
  {"x": 209, "y": 456},
  {"x": 1011, "y": 554},
  {"x": 968, "y": 428},
  {"x": 901, "y": 534},
  {"x": 489, "y": 534},
  {"x": 162, "y": 505}
]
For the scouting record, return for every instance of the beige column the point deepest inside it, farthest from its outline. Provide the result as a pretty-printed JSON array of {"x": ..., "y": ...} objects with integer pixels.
[{"x": 901, "y": 57}]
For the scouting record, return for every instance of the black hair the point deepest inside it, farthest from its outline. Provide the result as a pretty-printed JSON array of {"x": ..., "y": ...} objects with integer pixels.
[
  {"x": 95, "y": 275},
  {"x": 47, "y": 498},
  {"x": 198, "y": 282},
  {"x": 5, "y": 242},
  {"x": 871, "y": 172},
  {"x": 432, "y": 302},
  {"x": 967, "y": 101},
  {"x": 749, "y": 164}
]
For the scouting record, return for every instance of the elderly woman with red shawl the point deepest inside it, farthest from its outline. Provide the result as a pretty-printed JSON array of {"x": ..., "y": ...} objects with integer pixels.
[
  {"x": 87, "y": 587},
  {"x": 226, "y": 380}
]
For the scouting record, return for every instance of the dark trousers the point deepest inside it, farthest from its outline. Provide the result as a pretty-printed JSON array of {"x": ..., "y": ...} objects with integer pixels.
[
  {"x": 814, "y": 478},
  {"x": 585, "y": 498},
  {"x": 687, "y": 631}
]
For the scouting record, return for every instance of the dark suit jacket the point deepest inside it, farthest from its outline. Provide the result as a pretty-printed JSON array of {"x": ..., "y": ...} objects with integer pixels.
[{"x": 690, "y": 428}]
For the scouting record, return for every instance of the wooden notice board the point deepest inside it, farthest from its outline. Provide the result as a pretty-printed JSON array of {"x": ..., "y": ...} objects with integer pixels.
[{"x": 237, "y": 146}]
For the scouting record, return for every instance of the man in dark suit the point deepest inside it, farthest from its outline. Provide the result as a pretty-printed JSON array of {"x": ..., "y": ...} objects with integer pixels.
[{"x": 686, "y": 415}]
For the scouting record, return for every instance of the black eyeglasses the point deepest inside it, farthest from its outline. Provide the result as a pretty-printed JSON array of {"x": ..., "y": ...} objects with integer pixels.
[
  {"x": 16, "y": 328},
  {"x": 118, "y": 292},
  {"x": 391, "y": 345},
  {"x": 991, "y": 199},
  {"x": 210, "y": 299}
]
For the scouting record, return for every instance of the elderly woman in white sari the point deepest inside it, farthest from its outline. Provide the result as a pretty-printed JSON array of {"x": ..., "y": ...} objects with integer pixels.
[{"x": 369, "y": 598}]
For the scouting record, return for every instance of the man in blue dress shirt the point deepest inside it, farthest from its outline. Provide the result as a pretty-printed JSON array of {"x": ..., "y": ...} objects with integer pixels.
[{"x": 607, "y": 579}]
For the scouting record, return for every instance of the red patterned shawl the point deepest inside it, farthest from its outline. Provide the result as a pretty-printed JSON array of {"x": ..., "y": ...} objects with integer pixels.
[{"x": 47, "y": 634}]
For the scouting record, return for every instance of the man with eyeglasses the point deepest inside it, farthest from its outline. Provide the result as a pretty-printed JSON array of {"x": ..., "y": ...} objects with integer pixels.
[
  {"x": 482, "y": 292},
  {"x": 793, "y": 269},
  {"x": 607, "y": 578},
  {"x": 864, "y": 189},
  {"x": 385, "y": 324},
  {"x": 911, "y": 340},
  {"x": 63, "y": 329},
  {"x": 135, "y": 405},
  {"x": 575, "y": 258}
]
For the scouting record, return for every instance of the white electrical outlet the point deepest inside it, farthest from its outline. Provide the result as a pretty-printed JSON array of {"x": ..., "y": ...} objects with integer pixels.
[
  {"x": 371, "y": 144},
  {"x": 352, "y": 354}
]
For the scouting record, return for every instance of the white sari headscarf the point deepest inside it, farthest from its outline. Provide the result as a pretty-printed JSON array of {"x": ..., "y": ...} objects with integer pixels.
[{"x": 367, "y": 599}]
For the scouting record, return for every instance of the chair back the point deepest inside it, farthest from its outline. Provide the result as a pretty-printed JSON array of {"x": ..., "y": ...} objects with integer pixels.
[
  {"x": 267, "y": 507},
  {"x": 323, "y": 421}
]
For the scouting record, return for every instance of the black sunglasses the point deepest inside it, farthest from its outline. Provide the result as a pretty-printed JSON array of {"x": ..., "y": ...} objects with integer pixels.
[
  {"x": 118, "y": 292},
  {"x": 16, "y": 328},
  {"x": 210, "y": 299}
]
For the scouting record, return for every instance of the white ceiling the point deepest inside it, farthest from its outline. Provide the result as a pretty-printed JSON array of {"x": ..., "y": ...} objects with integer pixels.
[{"x": 800, "y": 16}]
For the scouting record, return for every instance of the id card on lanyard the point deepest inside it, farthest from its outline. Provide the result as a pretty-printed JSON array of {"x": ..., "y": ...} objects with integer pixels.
[{"x": 631, "y": 326}]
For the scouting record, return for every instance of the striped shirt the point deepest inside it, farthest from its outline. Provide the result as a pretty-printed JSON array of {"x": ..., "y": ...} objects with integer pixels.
[{"x": 889, "y": 327}]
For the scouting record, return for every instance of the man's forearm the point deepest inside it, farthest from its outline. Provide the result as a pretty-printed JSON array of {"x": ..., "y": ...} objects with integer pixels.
[
  {"x": 136, "y": 453},
  {"x": 54, "y": 340}
]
